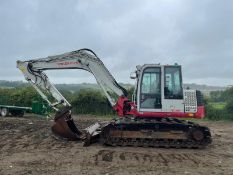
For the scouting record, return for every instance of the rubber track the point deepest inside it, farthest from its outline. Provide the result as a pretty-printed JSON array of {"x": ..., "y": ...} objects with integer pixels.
[{"x": 166, "y": 143}]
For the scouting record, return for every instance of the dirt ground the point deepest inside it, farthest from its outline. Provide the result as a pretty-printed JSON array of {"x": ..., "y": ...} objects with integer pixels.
[{"x": 28, "y": 147}]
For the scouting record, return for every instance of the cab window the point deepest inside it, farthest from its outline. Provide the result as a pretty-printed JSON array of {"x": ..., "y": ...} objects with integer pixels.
[
  {"x": 150, "y": 96},
  {"x": 173, "y": 83}
]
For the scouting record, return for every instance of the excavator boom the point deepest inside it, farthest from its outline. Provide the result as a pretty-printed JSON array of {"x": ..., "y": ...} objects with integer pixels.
[{"x": 85, "y": 59}]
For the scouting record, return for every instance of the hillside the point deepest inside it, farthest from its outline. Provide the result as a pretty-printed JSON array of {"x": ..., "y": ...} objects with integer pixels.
[{"x": 78, "y": 87}]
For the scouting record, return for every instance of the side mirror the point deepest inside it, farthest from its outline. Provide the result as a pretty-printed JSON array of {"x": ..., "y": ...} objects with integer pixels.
[{"x": 133, "y": 75}]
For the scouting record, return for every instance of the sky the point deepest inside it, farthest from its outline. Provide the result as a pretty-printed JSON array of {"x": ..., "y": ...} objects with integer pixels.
[{"x": 197, "y": 34}]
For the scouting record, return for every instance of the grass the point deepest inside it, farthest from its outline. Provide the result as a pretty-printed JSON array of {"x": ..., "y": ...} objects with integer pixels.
[{"x": 218, "y": 105}]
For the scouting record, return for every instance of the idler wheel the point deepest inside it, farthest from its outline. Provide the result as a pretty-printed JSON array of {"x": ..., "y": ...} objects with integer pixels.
[{"x": 198, "y": 135}]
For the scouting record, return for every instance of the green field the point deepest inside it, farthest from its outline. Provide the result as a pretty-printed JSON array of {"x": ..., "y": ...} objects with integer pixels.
[{"x": 218, "y": 105}]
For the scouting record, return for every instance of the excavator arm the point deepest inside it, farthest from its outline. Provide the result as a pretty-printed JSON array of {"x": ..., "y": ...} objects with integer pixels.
[{"x": 86, "y": 59}]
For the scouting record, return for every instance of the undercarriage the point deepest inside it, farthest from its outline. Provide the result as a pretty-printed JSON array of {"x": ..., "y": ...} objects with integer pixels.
[
  {"x": 159, "y": 132},
  {"x": 154, "y": 132}
]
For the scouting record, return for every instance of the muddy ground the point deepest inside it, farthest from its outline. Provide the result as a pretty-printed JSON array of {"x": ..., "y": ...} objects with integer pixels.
[{"x": 28, "y": 147}]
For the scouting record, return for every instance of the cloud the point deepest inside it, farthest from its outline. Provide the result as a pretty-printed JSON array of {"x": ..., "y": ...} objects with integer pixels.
[{"x": 195, "y": 34}]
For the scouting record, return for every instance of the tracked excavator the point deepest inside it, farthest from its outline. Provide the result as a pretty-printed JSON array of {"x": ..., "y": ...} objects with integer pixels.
[{"x": 150, "y": 119}]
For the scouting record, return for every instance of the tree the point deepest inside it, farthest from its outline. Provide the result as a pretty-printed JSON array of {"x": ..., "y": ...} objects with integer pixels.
[
  {"x": 91, "y": 102},
  {"x": 217, "y": 96},
  {"x": 228, "y": 96}
]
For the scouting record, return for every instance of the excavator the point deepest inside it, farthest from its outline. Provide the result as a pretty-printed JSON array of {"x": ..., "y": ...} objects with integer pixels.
[{"x": 155, "y": 117}]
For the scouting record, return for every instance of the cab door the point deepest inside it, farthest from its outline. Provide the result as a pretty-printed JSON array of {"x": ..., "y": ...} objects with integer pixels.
[
  {"x": 149, "y": 90},
  {"x": 173, "y": 91}
]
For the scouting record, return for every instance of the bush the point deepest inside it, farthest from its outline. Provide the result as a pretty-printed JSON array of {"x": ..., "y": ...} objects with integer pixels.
[
  {"x": 213, "y": 113},
  {"x": 229, "y": 106},
  {"x": 91, "y": 102},
  {"x": 225, "y": 112},
  {"x": 19, "y": 96}
]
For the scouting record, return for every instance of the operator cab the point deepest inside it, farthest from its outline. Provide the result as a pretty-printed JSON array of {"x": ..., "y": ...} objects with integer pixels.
[{"x": 159, "y": 88}]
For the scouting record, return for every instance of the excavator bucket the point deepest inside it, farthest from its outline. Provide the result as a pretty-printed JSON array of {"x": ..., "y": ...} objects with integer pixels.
[{"x": 64, "y": 126}]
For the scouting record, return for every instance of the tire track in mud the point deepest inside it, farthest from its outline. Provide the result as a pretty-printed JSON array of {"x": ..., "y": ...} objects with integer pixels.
[
  {"x": 31, "y": 133},
  {"x": 30, "y": 138},
  {"x": 156, "y": 158}
]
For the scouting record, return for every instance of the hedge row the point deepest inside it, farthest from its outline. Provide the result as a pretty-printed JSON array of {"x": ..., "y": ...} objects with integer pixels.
[{"x": 94, "y": 102}]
